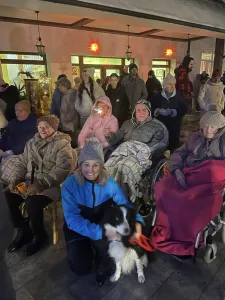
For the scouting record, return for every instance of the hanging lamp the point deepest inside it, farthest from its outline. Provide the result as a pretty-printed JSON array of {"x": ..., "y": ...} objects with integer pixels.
[
  {"x": 40, "y": 47},
  {"x": 129, "y": 51}
]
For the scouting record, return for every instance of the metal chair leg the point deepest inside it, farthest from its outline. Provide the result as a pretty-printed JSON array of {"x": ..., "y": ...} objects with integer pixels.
[{"x": 54, "y": 224}]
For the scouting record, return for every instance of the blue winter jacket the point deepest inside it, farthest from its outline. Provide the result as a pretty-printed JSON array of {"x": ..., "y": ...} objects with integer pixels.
[
  {"x": 84, "y": 206},
  {"x": 56, "y": 102}
]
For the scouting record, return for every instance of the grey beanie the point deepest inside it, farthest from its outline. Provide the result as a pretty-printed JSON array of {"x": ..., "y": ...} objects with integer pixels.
[
  {"x": 169, "y": 79},
  {"x": 92, "y": 151},
  {"x": 212, "y": 118}
]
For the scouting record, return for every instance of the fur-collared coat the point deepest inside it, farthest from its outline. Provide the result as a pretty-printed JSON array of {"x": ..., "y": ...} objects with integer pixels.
[{"x": 53, "y": 159}]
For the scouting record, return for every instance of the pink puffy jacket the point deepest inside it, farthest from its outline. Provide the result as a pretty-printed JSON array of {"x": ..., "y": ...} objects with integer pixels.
[{"x": 97, "y": 126}]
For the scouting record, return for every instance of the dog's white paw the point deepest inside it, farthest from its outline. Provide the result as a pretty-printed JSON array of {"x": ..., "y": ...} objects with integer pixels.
[
  {"x": 141, "y": 278},
  {"x": 115, "y": 277}
]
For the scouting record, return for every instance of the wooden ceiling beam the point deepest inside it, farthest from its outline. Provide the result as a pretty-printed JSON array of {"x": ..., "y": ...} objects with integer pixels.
[
  {"x": 150, "y": 32},
  {"x": 93, "y": 29},
  {"x": 81, "y": 22}
]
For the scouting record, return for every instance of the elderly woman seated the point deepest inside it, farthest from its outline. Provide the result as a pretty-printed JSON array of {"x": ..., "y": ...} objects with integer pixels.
[
  {"x": 141, "y": 136},
  {"x": 190, "y": 196},
  {"x": 19, "y": 131},
  {"x": 46, "y": 162}
]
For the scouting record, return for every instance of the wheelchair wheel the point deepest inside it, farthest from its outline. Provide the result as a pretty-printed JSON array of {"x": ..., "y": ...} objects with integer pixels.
[
  {"x": 210, "y": 253},
  {"x": 158, "y": 174},
  {"x": 223, "y": 228}
]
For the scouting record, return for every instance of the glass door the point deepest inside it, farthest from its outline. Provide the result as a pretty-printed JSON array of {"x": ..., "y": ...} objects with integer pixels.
[{"x": 110, "y": 71}]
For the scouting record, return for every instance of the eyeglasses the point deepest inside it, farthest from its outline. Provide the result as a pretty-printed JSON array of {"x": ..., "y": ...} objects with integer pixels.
[{"x": 43, "y": 127}]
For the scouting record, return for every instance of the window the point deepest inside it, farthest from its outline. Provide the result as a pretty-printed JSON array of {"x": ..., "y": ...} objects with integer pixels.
[
  {"x": 75, "y": 60},
  {"x": 102, "y": 61},
  {"x": 156, "y": 62},
  {"x": 18, "y": 66},
  {"x": 207, "y": 61}
]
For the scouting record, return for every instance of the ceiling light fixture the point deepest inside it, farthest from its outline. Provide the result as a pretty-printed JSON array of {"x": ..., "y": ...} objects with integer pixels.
[
  {"x": 40, "y": 47},
  {"x": 129, "y": 51}
]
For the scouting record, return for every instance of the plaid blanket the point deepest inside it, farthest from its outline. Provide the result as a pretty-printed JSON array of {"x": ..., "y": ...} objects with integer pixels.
[{"x": 127, "y": 163}]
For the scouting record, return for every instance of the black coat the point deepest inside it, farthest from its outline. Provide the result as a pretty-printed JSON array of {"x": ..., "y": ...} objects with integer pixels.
[
  {"x": 120, "y": 103},
  {"x": 153, "y": 86},
  {"x": 10, "y": 96},
  {"x": 173, "y": 124}
]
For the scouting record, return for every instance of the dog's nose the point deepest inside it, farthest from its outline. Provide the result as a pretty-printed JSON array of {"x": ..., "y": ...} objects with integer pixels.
[{"x": 126, "y": 230}]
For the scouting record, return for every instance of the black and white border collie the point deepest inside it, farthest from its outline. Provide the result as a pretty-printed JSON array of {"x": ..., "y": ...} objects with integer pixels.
[{"x": 122, "y": 221}]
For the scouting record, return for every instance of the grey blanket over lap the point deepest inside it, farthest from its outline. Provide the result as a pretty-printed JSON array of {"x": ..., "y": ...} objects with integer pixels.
[{"x": 127, "y": 163}]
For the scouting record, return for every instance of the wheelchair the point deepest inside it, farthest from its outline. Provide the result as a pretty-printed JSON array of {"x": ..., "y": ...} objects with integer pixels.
[
  {"x": 145, "y": 188},
  {"x": 207, "y": 233}
]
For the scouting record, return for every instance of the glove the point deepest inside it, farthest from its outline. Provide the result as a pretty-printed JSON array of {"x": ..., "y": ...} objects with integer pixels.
[
  {"x": 35, "y": 189},
  {"x": 180, "y": 178},
  {"x": 12, "y": 187}
]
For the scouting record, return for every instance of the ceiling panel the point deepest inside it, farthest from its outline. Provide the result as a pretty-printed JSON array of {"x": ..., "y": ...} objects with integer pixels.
[
  {"x": 174, "y": 34},
  {"x": 31, "y": 15},
  {"x": 116, "y": 26}
]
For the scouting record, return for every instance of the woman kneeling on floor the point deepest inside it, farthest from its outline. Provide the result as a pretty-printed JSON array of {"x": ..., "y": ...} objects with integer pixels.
[
  {"x": 86, "y": 195},
  {"x": 46, "y": 162}
]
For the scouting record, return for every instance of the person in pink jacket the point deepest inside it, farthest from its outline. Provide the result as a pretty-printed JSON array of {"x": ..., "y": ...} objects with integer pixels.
[{"x": 100, "y": 124}]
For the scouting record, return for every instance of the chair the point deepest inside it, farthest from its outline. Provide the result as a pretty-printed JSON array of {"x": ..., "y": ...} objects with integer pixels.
[{"x": 52, "y": 210}]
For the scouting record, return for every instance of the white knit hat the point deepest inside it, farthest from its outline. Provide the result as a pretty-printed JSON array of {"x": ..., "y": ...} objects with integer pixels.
[
  {"x": 169, "y": 79},
  {"x": 90, "y": 72},
  {"x": 212, "y": 118}
]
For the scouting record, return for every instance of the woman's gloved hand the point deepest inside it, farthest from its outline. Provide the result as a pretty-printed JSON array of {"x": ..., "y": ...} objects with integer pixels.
[
  {"x": 180, "y": 178},
  {"x": 12, "y": 187},
  {"x": 35, "y": 189}
]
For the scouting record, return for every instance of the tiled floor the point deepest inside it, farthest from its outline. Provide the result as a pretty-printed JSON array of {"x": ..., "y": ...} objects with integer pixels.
[{"x": 46, "y": 276}]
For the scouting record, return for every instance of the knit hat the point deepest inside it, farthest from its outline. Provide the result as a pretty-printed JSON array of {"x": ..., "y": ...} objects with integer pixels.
[
  {"x": 212, "y": 118},
  {"x": 132, "y": 66},
  {"x": 24, "y": 104},
  {"x": 90, "y": 72},
  {"x": 146, "y": 103},
  {"x": 217, "y": 73},
  {"x": 169, "y": 79},
  {"x": 92, "y": 151},
  {"x": 52, "y": 120}
]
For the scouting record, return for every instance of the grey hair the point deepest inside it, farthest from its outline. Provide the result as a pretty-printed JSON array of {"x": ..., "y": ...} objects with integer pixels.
[
  {"x": 103, "y": 176},
  {"x": 65, "y": 82}
]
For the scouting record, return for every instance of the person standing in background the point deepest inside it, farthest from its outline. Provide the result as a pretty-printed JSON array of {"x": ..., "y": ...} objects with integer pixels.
[
  {"x": 169, "y": 107},
  {"x": 118, "y": 98},
  {"x": 7, "y": 291},
  {"x": 69, "y": 118},
  {"x": 183, "y": 82},
  {"x": 56, "y": 98},
  {"x": 200, "y": 80},
  {"x": 212, "y": 94},
  {"x": 135, "y": 87},
  {"x": 153, "y": 85},
  {"x": 77, "y": 83},
  {"x": 10, "y": 95},
  {"x": 87, "y": 93}
]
